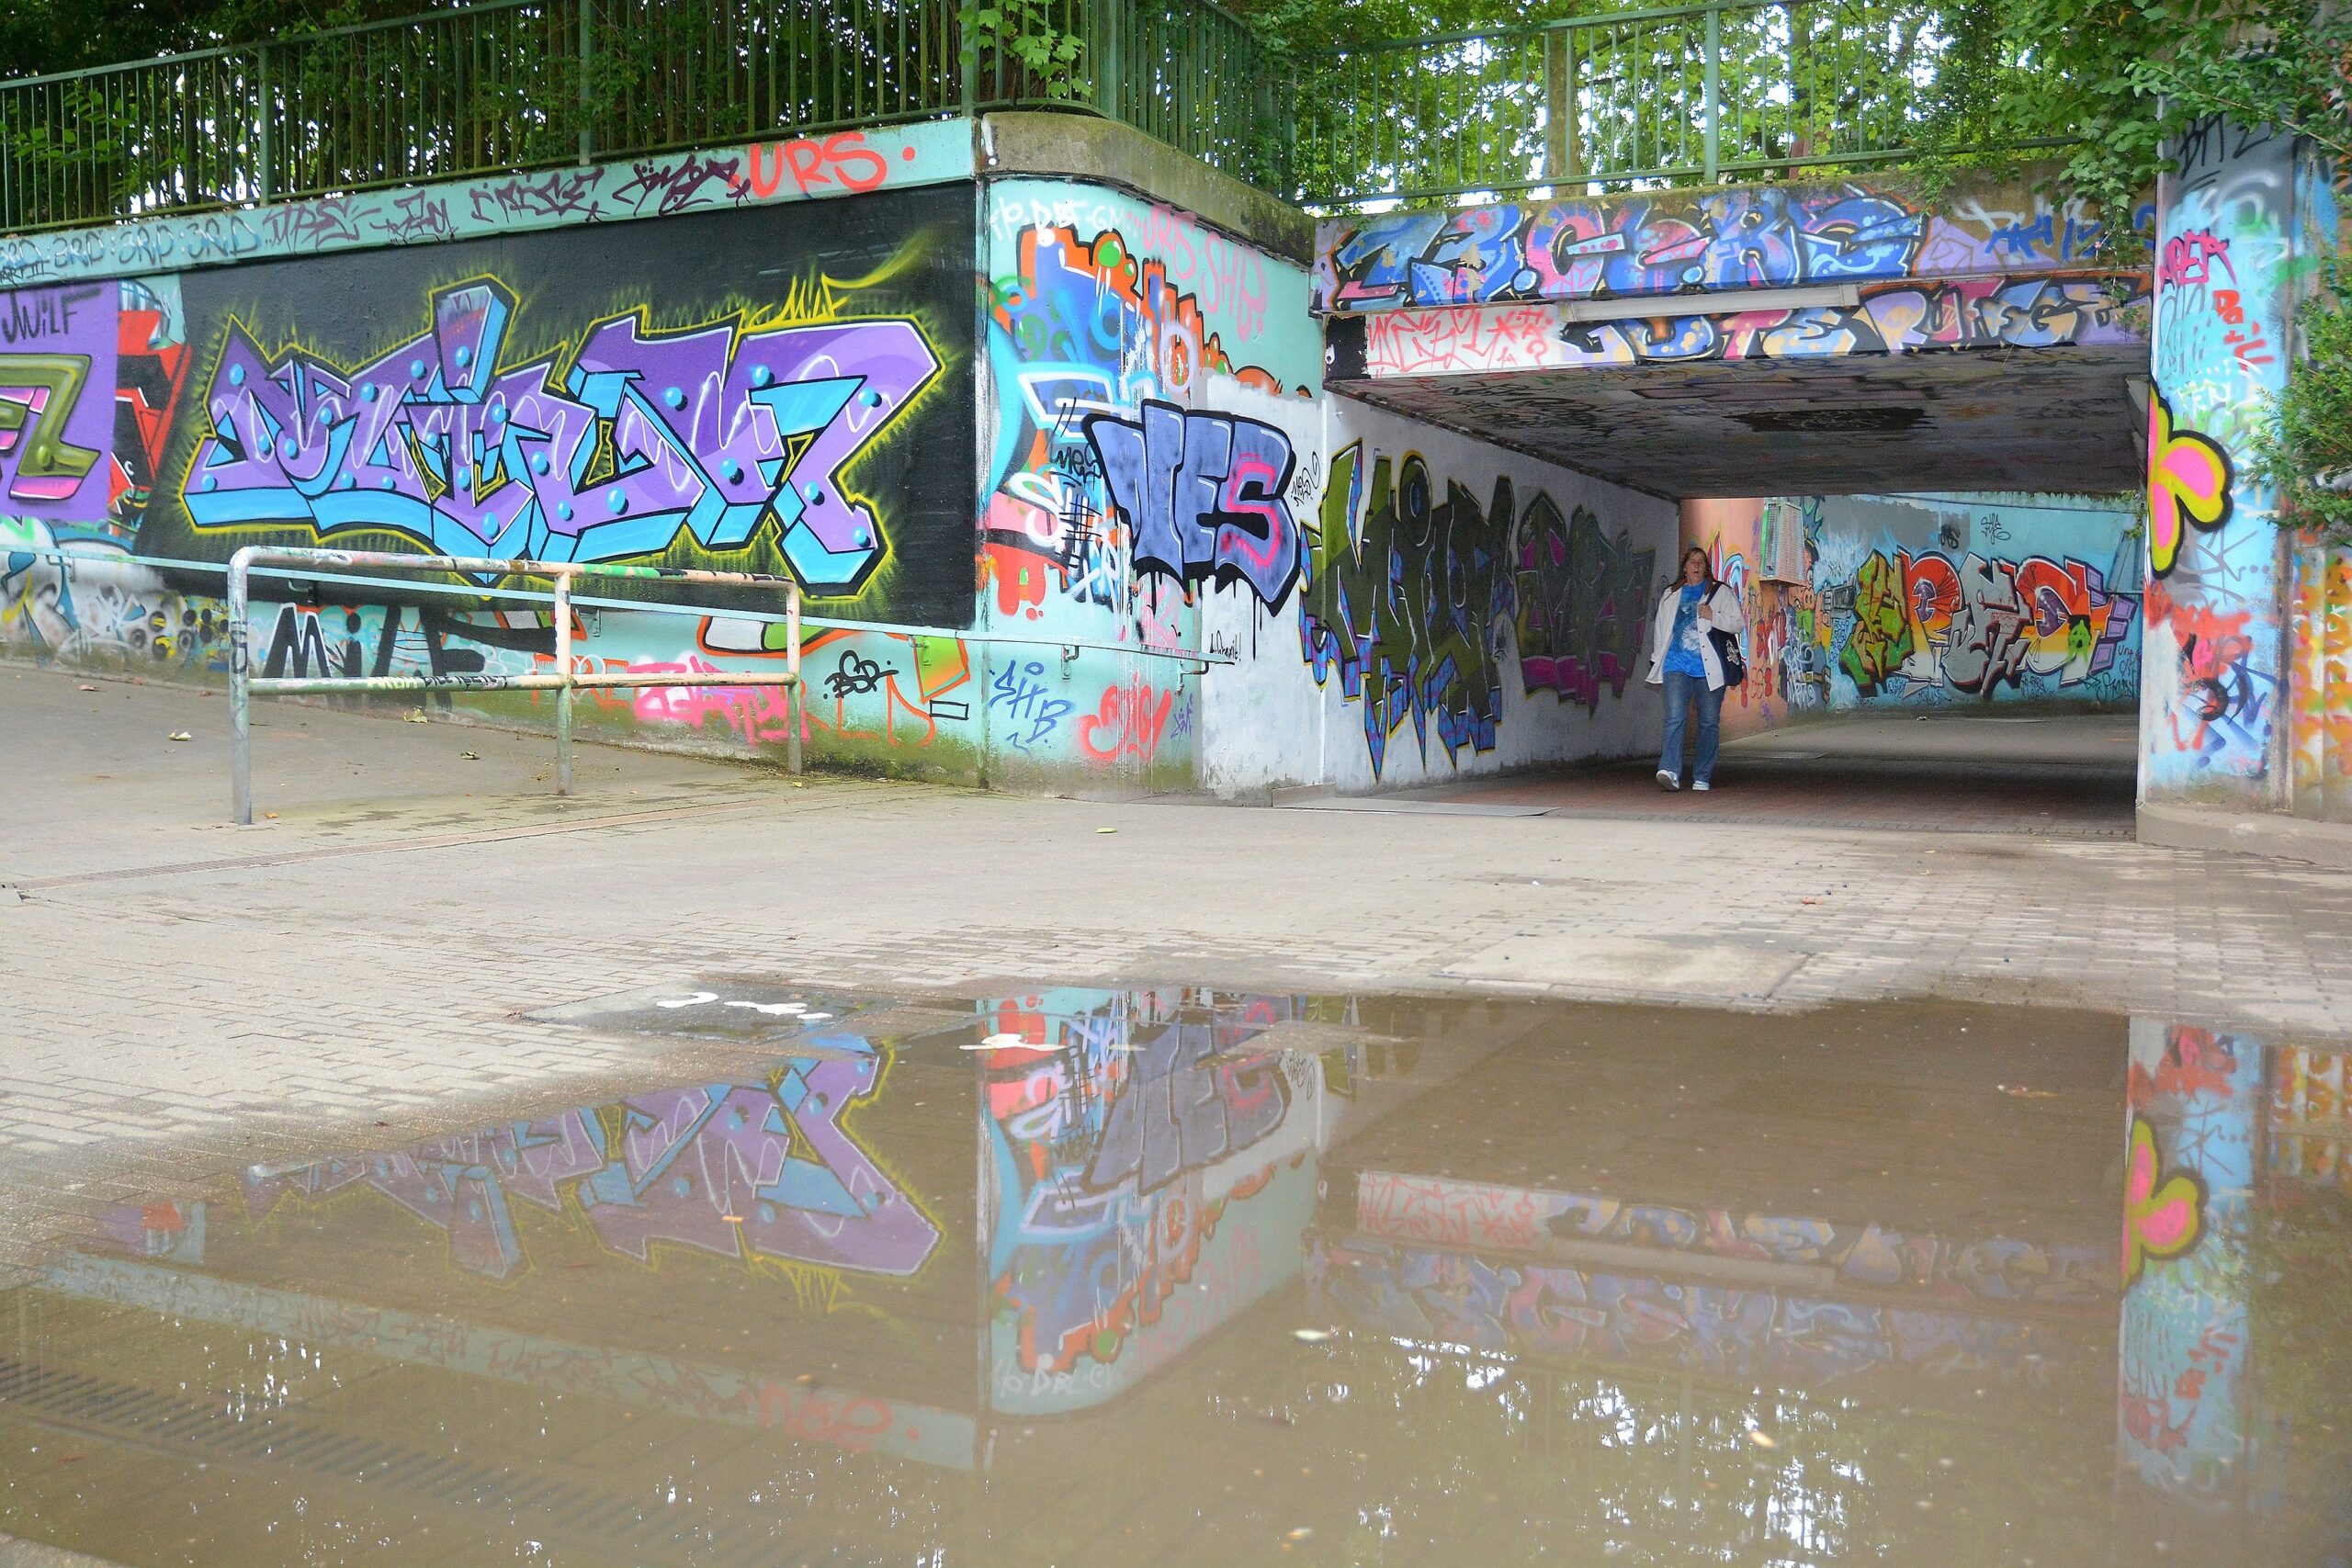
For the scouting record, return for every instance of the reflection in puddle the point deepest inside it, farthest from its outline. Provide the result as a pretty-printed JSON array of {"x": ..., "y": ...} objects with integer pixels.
[{"x": 1026, "y": 1281}]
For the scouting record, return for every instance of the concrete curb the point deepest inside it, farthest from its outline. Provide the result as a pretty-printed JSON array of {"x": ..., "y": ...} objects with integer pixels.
[{"x": 2248, "y": 833}]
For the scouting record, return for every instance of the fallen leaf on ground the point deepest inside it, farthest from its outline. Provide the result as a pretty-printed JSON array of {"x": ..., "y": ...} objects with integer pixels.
[
  {"x": 1810, "y": 900},
  {"x": 1106, "y": 829},
  {"x": 469, "y": 756},
  {"x": 179, "y": 735}
]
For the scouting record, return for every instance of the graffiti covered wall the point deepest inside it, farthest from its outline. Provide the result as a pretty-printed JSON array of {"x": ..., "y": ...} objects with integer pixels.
[
  {"x": 1398, "y": 603},
  {"x": 1118, "y": 493},
  {"x": 730, "y": 386},
  {"x": 1464, "y": 609},
  {"x": 1185, "y": 565},
  {"x": 1857, "y": 602},
  {"x": 2211, "y": 701}
]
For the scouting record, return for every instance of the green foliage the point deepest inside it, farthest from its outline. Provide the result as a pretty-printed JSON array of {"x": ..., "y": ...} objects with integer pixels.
[
  {"x": 2308, "y": 456},
  {"x": 1022, "y": 51},
  {"x": 2127, "y": 75}
]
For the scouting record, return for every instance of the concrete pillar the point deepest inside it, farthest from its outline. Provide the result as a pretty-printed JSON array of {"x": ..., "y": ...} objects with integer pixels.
[{"x": 2238, "y": 243}]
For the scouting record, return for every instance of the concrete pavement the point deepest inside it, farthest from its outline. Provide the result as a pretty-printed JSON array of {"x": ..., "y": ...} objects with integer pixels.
[{"x": 186, "y": 997}]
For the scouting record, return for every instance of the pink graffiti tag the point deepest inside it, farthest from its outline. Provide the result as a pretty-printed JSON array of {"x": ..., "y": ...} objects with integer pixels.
[{"x": 2188, "y": 482}]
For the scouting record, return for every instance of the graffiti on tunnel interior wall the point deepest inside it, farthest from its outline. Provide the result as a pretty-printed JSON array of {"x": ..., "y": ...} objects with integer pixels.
[
  {"x": 712, "y": 430},
  {"x": 1583, "y": 598},
  {"x": 1667, "y": 242},
  {"x": 1974, "y": 625},
  {"x": 1912, "y": 601},
  {"x": 1412, "y": 602}
]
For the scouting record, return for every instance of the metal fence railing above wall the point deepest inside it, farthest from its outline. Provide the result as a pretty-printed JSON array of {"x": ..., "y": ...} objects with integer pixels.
[
  {"x": 563, "y": 679},
  {"x": 1725, "y": 90},
  {"x": 503, "y": 85}
]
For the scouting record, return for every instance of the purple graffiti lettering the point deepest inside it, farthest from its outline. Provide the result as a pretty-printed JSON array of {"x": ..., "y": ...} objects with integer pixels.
[{"x": 717, "y": 430}]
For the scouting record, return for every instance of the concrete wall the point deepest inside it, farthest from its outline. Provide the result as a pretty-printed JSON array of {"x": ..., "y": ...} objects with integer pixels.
[
  {"x": 1119, "y": 450},
  {"x": 2245, "y": 701},
  {"x": 1900, "y": 602},
  {"x": 1466, "y": 610},
  {"x": 1400, "y": 603}
]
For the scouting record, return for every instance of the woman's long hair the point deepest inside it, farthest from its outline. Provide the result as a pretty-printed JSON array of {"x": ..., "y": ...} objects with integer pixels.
[{"x": 1706, "y": 569}]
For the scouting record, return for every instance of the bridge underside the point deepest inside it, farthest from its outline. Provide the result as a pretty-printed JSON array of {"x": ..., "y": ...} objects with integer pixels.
[{"x": 2052, "y": 418}]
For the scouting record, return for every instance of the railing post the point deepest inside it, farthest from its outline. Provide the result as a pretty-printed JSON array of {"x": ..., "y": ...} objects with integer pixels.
[
  {"x": 587, "y": 96},
  {"x": 1109, "y": 85},
  {"x": 1714, "y": 90},
  {"x": 268, "y": 114},
  {"x": 241, "y": 760},
  {"x": 968, "y": 49},
  {"x": 794, "y": 706},
  {"x": 1564, "y": 142},
  {"x": 563, "y": 693}
]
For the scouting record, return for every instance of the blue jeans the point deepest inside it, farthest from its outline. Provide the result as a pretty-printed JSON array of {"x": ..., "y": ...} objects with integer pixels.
[{"x": 1681, "y": 691}]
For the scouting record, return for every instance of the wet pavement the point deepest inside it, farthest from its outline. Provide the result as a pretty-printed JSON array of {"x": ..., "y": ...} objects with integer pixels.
[{"x": 1181, "y": 1276}]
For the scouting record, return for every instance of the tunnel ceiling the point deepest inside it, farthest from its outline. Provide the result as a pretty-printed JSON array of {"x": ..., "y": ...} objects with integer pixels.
[{"x": 2044, "y": 419}]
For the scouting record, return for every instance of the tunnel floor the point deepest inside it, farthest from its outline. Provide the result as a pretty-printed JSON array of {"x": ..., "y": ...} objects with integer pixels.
[{"x": 2059, "y": 775}]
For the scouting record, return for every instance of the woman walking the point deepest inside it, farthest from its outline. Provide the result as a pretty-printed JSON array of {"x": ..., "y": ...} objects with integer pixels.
[{"x": 1684, "y": 660}]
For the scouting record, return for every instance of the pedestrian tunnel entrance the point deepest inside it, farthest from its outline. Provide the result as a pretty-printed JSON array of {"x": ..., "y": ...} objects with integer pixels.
[{"x": 1910, "y": 436}]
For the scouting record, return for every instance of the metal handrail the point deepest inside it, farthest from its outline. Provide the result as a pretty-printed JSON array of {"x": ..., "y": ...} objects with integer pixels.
[
  {"x": 303, "y": 566},
  {"x": 510, "y": 84},
  {"x": 1620, "y": 98},
  {"x": 563, "y": 682},
  {"x": 589, "y": 601}
]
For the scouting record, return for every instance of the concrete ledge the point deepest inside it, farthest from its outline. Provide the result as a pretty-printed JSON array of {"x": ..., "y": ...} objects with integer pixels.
[
  {"x": 2248, "y": 833},
  {"x": 1088, "y": 147}
]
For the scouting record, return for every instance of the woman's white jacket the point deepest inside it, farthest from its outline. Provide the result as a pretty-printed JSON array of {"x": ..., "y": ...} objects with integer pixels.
[{"x": 1724, "y": 605}]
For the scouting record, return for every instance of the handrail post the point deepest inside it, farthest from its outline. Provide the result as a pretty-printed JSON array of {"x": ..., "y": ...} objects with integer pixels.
[
  {"x": 1714, "y": 90},
  {"x": 267, "y": 116},
  {"x": 563, "y": 693},
  {"x": 795, "y": 707},
  {"x": 1563, "y": 142},
  {"x": 241, "y": 760},
  {"x": 587, "y": 65}
]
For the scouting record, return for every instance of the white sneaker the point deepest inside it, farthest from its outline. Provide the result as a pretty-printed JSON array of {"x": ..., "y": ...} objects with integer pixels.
[
  {"x": 1700, "y": 784},
  {"x": 1668, "y": 781}
]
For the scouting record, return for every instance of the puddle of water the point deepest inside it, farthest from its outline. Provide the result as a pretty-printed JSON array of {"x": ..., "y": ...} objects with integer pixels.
[{"x": 1173, "y": 1276}]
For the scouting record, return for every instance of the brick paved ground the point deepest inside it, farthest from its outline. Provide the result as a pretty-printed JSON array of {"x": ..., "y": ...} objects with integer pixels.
[{"x": 183, "y": 997}]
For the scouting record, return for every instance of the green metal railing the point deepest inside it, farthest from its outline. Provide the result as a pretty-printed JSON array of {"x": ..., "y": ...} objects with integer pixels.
[
  {"x": 504, "y": 84},
  {"x": 1717, "y": 90},
  {"x": 1693, "y": 93}
]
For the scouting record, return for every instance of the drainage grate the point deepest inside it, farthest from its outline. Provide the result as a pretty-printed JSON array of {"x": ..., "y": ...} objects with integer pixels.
[{"x": 597, "y": 1518}]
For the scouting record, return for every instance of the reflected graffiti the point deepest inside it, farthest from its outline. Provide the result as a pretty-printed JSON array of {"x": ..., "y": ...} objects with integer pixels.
[{"x": 762, "y": 1172}]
